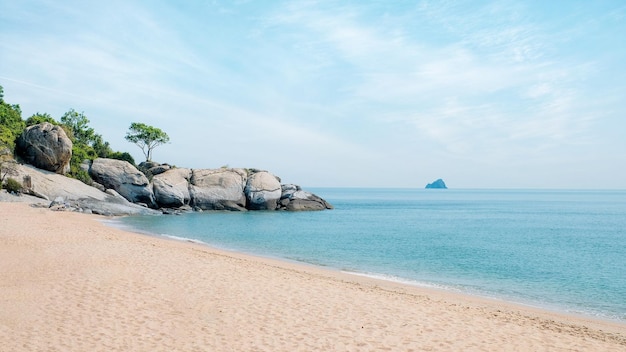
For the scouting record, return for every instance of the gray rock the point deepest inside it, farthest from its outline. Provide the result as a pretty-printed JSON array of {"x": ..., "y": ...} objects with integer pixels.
[
  {"x": 124, "y": 178},
  {"x": 113, "y": 193},
  {"x": 288, "y": 190},
  {"x": 112, "y": 207},
  {"x": 49, "y": 185},
  {"x": 218, "y": 189},
  {"x": 147, "y": 165},
  {"x": 57, "y": 201},
  {"x": 85, "y": 165},
  {"x": 100, "y": 187},
  {"x": 70, "y": 194},
  {"x": 263, "y": 191},
  {"x": 171, "y": 188},
  {"x": 157, "y": 170},
  {"x": 295, "y": 199},
  {"x": 46, "y": 146}
]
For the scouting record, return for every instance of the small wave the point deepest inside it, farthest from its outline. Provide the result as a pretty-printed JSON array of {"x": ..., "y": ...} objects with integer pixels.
[
  {"x": 403, "y": 281},
  {"x": 183, "y": 239}
]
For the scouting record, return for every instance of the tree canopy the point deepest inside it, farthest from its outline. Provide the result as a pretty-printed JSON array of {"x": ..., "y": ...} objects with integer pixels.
[
  {"x": 146, "y": 137},
  {"x": 11, "y": 124}
]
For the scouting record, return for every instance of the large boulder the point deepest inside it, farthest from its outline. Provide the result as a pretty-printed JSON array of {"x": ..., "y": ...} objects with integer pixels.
[
  {"x": 171, "y": 188},
  {"x": 218, "y": 189},
  {"x": 263, "y": 191},
  {"x": 124, "y": 178},
  {"x": 293, "y": 198},
  {"x": 46, "y": 146}
]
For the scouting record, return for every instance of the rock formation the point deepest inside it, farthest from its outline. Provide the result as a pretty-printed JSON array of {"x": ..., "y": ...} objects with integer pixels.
[
  {"x": 293, "y": 198},
  {"x": 152, "y": 168},
  {"x": 437, "y": 184},
  {"x": 124, "y": 178},
  {"x": 46, "y": 146},
  {"x": 218, "y": 189},
  {"x": 171, "y": 188},
  {"x": 230, "y": 189},
  {"x": 263, "y": 191},
  {"x": 76, "y": 196}
]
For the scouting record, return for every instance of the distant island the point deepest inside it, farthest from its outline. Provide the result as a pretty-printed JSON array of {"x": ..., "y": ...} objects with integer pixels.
[{"x": 437, "y": 184}]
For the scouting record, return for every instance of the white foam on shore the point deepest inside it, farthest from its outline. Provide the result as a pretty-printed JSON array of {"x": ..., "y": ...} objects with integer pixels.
[
  {"x": 184, "y": 239},
  {"x": 403, "y": 281}
]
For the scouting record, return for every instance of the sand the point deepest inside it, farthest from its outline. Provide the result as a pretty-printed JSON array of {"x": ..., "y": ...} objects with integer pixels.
[{"x": 70, "y": 283}]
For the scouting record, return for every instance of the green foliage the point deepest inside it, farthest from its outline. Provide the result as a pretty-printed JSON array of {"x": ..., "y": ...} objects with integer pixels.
[
  {"x": 87, "y": 144},
  {"x": 7, "y": 138},
  {"x": 80, "y": 153},
  {"x": 40, "y": 118},
  {"x": 122, "y": 156},
  {"x": 11, "y": 124},
  {"x": 101, "y": 147},
  {"x": 78, "y": 125},
  {"x": 146, "y": 137},
  {"x": 12, "y": 185},
  {"x": 82, "y": 176}
]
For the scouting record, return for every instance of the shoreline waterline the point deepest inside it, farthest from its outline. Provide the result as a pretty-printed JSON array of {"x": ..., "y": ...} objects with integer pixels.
[{"x": 377, "y": 279}]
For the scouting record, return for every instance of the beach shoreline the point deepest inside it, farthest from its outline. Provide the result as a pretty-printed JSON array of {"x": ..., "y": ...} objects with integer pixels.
[{"x": 70, "y": 282}]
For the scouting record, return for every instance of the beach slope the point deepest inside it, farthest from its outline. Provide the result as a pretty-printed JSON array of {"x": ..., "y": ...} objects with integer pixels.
[{"x": 70, "y": 283}]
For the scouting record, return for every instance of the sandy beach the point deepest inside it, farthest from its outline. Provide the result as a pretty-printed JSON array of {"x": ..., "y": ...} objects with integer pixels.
[{"x": 70, "y": 283}]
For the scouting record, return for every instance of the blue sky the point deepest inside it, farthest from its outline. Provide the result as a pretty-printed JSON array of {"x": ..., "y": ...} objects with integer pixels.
[{"x": 484, "y": 94}]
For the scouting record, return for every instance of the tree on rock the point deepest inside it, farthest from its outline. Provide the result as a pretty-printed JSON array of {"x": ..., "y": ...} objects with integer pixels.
[{"x": 146, "y": 137}]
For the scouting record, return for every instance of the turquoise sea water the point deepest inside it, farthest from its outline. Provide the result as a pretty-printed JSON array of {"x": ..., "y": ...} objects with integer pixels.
[{"x": 561, "y": 250}]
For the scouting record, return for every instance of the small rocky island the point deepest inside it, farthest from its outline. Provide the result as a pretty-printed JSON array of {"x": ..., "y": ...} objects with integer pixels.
[
  {"x": 438, "y": 184},
  {"x": 117, "y": 187}
]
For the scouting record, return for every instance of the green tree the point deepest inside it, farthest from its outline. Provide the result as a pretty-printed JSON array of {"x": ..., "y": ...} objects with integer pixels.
[
  {"x": 83, "y": 137},
  {"x": 146, "y": 137},
  {"x": 40, "y": 118},
  {"x": 122, "y": 156},
  {"x": 78, "y": 125},
  {"x": 11, "y": 123},
  {"x": 101, "y": 147}
]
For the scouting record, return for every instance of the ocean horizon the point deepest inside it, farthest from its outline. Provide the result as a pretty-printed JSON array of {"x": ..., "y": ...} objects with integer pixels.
[{"x": 561, "y": 250}]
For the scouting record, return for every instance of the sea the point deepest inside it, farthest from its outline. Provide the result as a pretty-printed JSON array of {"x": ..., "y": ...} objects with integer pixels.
[{"x": 560, "y": 250}]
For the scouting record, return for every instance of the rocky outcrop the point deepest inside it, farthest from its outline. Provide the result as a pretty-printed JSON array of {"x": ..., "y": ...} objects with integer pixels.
[
  {"x": 74, "y": 195},
  {"x": 231, "y": 189},
  {"x": 171, "y": 188},
  {"x": 46, "y": 146},
  {"x": 218, "y": 189},
  {"x": 293, "y": 198},
  {"x": 124, "y": 178},
  {"x": 437, "y": 184},
  {"x": 263, "y": 191},
  {"x": 119, "y": 188}
]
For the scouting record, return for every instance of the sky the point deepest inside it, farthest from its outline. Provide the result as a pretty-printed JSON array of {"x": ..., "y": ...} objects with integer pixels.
[{"x": 483, "y": 94}]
